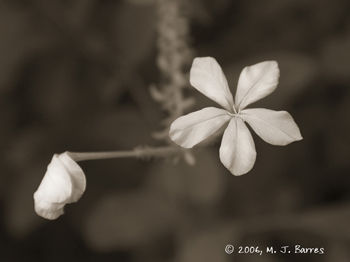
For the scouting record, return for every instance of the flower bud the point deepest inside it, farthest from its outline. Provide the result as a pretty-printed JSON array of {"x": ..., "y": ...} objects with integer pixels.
[{"x": 63, "y": 183}]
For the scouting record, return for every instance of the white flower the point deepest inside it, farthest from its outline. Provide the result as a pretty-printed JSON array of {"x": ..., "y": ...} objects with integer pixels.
[
  {"x": 237, "y": 150},
  {"x": 63, "y": 183}
]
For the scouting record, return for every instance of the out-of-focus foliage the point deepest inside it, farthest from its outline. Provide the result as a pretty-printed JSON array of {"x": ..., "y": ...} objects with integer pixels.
[
  {"x": 201, "y": 186},
  {"x": 129, "y": 221},
  {"x": 75, "y": 75}
]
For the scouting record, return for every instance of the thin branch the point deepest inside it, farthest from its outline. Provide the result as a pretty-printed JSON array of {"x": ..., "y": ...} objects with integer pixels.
[{"x": 139, "y": 152}]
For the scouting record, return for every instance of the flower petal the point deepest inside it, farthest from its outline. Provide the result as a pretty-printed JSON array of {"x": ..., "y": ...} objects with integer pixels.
[
  {"x": 256, "y": 82},
  {"x": 77, "y": 176},
  {"x": 207, "y": 77},
  {"x": 48, "y": 210},
  {"x": 64, "y": 182},
  {"x": 56, "y": 185},
  {"x": 193, "y": 128},
  {"x": 274, "y": 127},
  {"x": 237, "y": 150}
]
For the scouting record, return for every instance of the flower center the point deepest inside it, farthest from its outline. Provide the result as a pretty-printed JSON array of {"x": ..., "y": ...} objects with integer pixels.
[{"x": 235, "y": 115}]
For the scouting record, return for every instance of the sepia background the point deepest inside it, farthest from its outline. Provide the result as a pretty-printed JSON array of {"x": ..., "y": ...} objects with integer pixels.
[{"x": 75, "y": 75}]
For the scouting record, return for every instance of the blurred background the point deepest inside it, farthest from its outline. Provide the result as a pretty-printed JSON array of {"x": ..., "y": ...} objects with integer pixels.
[{"x": 75, "y": 75}]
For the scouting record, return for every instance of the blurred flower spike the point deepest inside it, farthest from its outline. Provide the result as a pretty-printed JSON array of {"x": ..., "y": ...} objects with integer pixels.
[
  {"x": 63, "y": 183},
  {"x": 237, "y": 150}
]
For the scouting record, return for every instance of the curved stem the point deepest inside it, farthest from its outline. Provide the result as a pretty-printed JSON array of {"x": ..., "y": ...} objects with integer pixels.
[{"x": 139, "y": 152}]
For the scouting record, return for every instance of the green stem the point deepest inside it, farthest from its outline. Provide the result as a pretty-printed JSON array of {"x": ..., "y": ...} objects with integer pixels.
[{"x": 144, "y": 152}]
